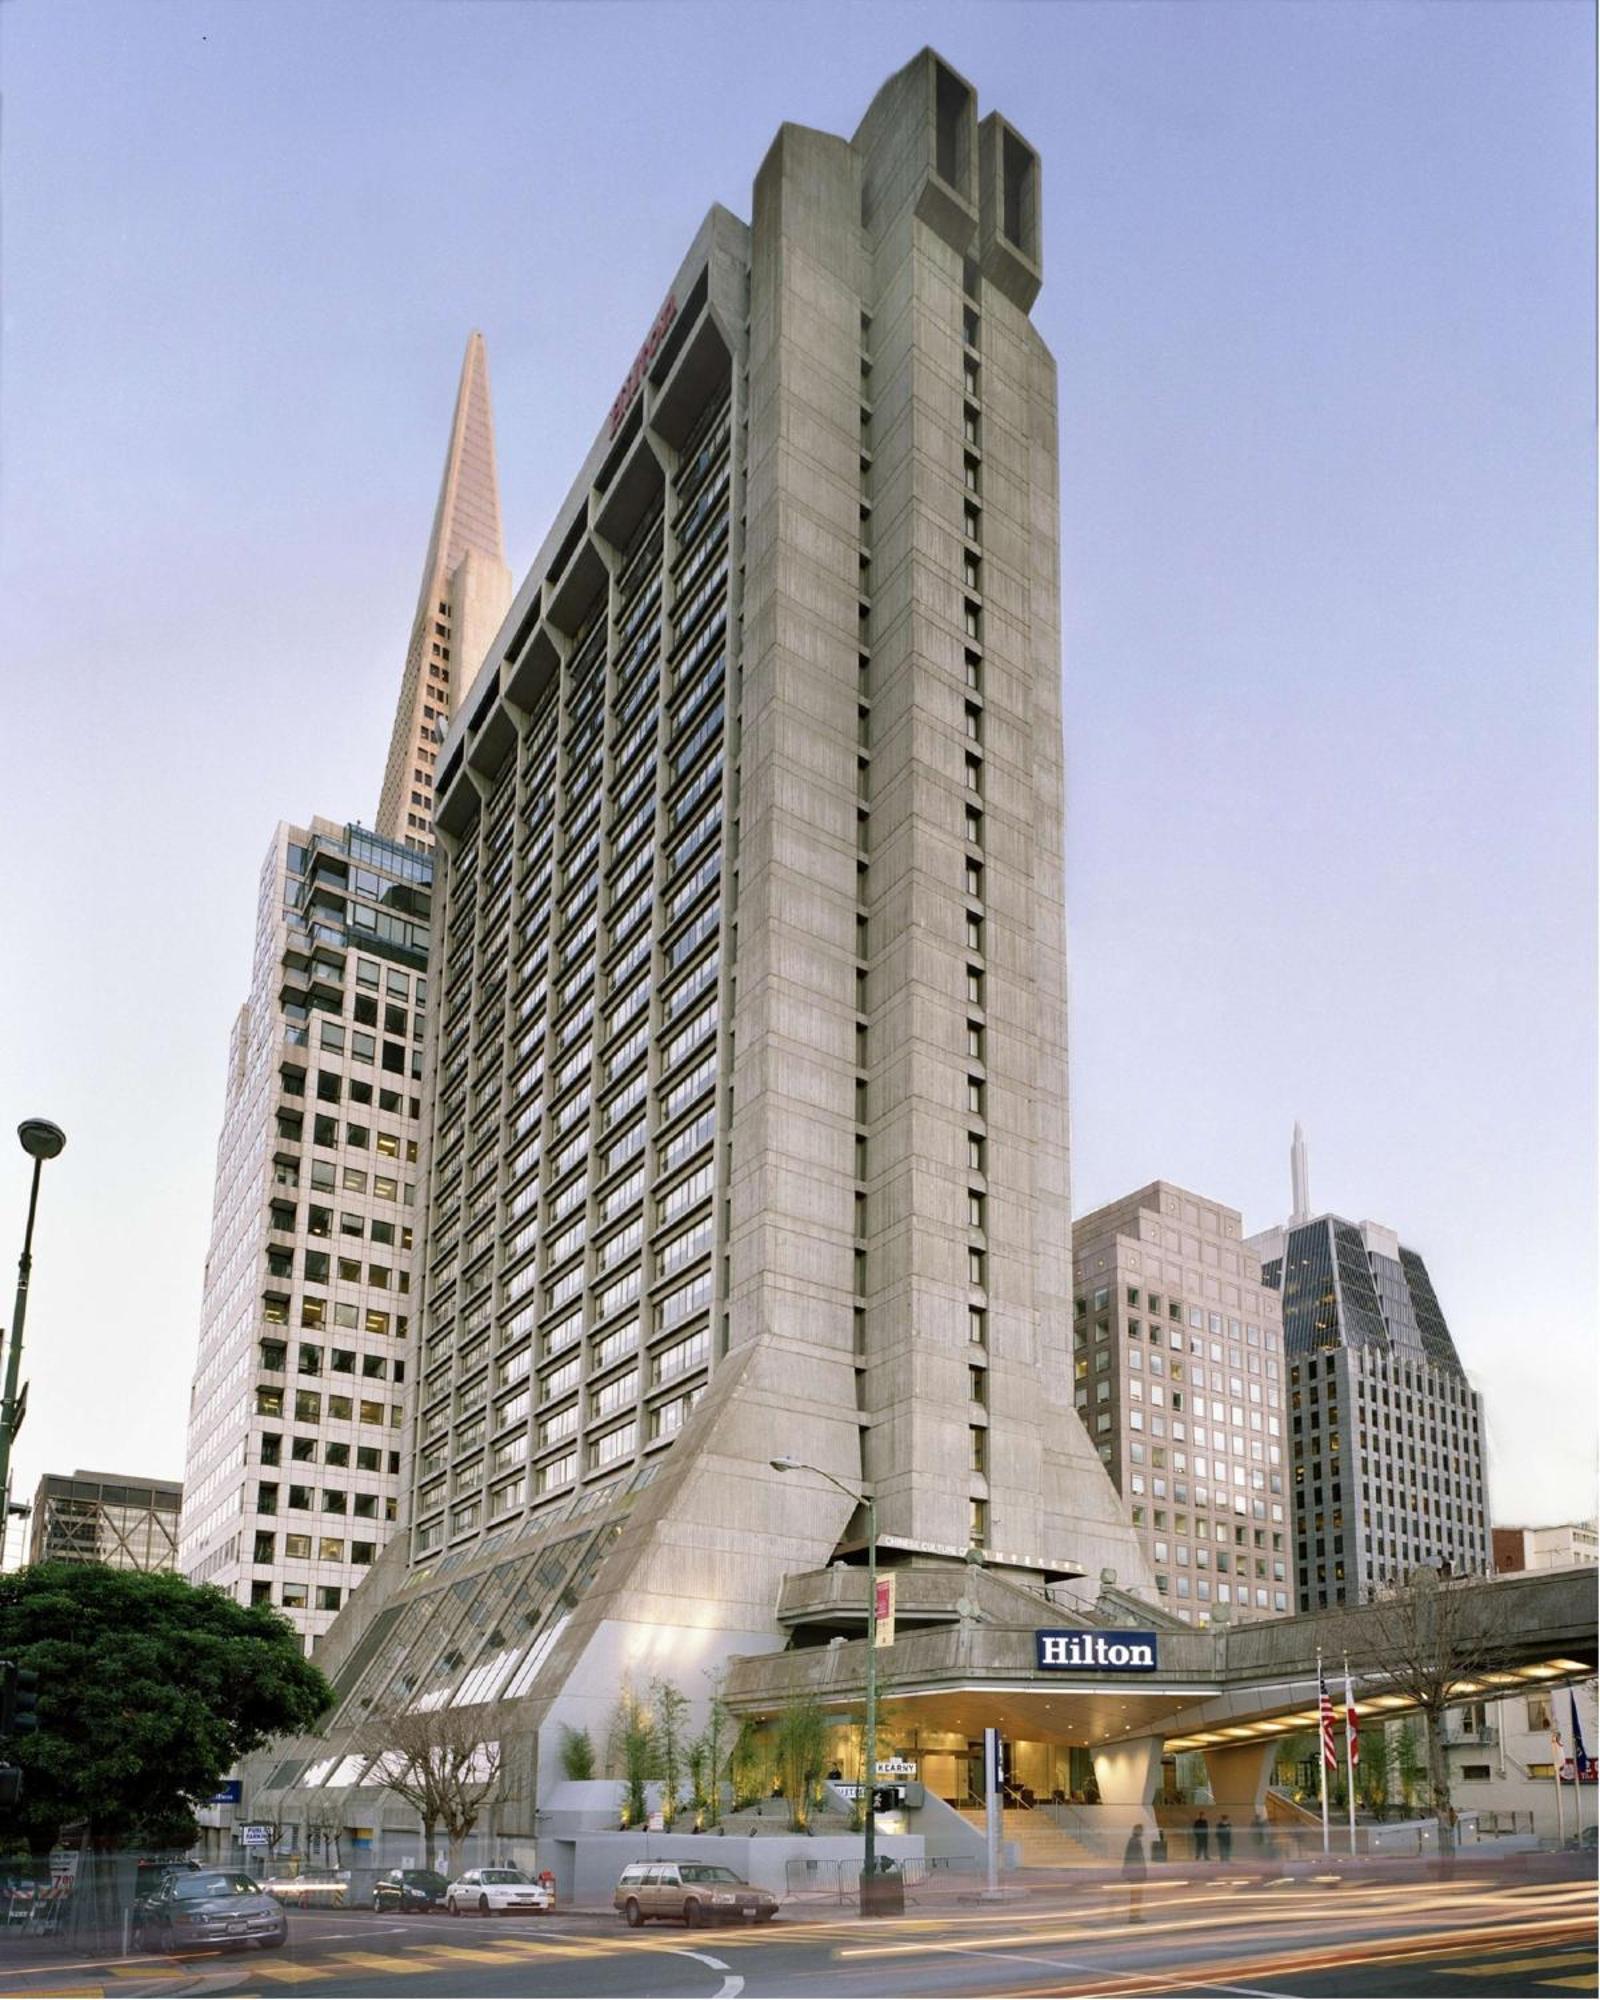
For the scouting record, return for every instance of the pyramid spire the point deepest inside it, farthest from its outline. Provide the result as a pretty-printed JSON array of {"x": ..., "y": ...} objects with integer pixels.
[{"x": 465, "y": 590}]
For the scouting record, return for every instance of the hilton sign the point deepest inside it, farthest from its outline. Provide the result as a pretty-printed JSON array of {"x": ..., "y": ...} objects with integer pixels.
[
  {"x": 1095, "y": 1652},
  {"x": 641, "y": 361}
]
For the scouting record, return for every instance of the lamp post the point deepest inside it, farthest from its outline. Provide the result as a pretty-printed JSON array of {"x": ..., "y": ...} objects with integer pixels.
[
  {"x": 869, "y": 1850},
  {"x": 41, "y": 1141}
]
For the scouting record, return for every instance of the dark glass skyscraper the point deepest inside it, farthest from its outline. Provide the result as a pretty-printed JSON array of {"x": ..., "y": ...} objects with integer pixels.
[{"x": 1385, "y": 1430}]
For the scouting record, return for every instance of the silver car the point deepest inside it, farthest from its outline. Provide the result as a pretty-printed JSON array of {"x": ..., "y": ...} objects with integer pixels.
[{"x": 209, "y": 1907}]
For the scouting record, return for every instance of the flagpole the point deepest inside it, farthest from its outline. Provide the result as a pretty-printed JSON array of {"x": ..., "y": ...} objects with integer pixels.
[
  {"x": 1322, "y": 1749},
  {"x": 1577, "y": 1766},
  {"x": 1557, "y": 1753},
  {"x": 1349, "y": 1751}
]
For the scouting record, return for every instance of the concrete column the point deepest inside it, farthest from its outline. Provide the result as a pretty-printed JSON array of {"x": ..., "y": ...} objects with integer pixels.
[
  {"x": 1238, "y": 1775},
  {"x": 1127, "y": 1774}
]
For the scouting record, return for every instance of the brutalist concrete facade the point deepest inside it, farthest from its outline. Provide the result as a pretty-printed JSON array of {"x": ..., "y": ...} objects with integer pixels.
[{"x": 749, "y": 1112}]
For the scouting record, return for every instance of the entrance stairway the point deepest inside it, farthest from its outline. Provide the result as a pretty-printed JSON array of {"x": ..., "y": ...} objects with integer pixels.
[{"x": 1039, "y": 1842}]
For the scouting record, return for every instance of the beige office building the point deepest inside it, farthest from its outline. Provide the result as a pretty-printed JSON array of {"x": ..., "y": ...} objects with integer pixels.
[
  {"x": 749, "y": 1079},
  {"x": 1178, "y": 1378},
  {"x": 298, "y": 1401}
]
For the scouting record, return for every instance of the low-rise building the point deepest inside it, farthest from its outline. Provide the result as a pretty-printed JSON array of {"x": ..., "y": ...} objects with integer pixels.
[
  {"x": 1570, "y": 1546},
  {"x": 106, "y": 1517}
]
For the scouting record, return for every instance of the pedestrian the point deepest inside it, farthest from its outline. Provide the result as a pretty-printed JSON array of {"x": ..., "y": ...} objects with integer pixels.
[
  {"x": 1224, "y": 1838},
  {"x": 1258, "y": 1832},
  {"x": 1201, "y": 1831},
  {"x": 1134, "y": 1872}
]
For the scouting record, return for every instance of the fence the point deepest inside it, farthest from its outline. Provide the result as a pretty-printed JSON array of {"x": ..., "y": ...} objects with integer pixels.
[{"x": 839, "y": 1881}]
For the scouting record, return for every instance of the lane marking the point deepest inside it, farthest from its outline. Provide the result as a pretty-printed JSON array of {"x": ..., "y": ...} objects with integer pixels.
[
  {"x": 1586, "y": 1982},
  {"x": 732, "y": 1984},
  {"x": 1526, "y": 1965},
  {"x": 374, "y": 1961},
  {"x": 284, "y": 1970}
]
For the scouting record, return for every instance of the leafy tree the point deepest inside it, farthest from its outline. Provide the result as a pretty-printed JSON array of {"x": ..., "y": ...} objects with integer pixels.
[
  {"x": 436, "y": 1759},
  {"x": 749, "y": 1765},
  {"x": 799, "y": 1741},
  {"x": 577, "y": 1752},
  {"x": 1409, "y": 1766},
  {"x": 151, "y": 1689},
  {"x": 671, "y": 1706},
  {"x": 1372, "y": 1773},
  {"x": 633, "y": 1754}
]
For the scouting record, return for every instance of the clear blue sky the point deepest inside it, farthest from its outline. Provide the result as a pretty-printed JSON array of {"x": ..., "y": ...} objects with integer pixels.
[{"x": 1320, "y": 284}]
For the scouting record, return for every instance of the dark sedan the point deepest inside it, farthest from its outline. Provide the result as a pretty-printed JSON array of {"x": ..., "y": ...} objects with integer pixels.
[
  {"x": 208, "y": 1907},
  {"x": 409, "y": 1889}
]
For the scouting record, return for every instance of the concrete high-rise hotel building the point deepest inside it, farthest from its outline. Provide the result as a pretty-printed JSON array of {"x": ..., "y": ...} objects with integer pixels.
[
  {"x": 749, "y": 1115},
  {"x": 1385, "y": 1430},
  {"x": 1179, "y": 1379},
  {"x": 298, "y": 1403}
]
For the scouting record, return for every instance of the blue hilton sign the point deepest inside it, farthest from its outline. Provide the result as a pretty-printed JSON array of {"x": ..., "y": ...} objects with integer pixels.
[{"x": 1095, "y": 1652}]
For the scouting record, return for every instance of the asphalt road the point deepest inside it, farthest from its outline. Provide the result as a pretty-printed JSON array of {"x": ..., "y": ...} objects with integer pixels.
[{"x": 1487, "y": 1932}]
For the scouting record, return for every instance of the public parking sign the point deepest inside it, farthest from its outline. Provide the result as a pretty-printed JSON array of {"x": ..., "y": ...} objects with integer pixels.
[{"x": 255, "y": 1836}]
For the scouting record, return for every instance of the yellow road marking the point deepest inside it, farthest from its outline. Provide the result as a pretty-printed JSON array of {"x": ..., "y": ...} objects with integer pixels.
[
  {"x": 375, "y": 1961},
  {"x": 463, "y": 1954},
  {"x": 1585, "y": 1982},
  {"x": 286, "y": 1970},
  {"x": 1500, "y": 1965}
]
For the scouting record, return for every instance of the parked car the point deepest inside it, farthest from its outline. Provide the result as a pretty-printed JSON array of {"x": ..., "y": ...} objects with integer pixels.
[
  {"x": 149, "y": 1875},
  {"x": 487, "y": 1890},
  {"x": 208, "y": 1906},
  {"x": 698, "y": 1892},
  {"x": 309, "y": 1892},
  {"x": 409, "y": 1889}
]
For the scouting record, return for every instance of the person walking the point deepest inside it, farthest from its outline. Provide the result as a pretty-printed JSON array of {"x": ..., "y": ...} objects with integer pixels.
[
  {"x": 1201, "y": 1831},
  {"x": 1224, "y": 1838},
  {"x": 1134, "y": 1871}
]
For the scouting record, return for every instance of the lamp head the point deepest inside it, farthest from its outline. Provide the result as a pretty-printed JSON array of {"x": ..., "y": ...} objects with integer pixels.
[
  {"x": 40, "y": 1139},
  {"x": 785, "y": 1464}
]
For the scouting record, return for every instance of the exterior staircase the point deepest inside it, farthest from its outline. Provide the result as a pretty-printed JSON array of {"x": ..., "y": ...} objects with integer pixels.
[{"x": 1038, "y": 1841}]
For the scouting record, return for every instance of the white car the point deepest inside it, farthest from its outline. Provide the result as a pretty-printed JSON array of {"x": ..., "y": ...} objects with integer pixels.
[{"x": 487, "y": 1890}]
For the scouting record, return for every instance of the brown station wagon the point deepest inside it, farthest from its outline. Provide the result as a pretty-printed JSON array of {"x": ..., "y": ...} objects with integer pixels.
[{"x": 693, "y": 1892}]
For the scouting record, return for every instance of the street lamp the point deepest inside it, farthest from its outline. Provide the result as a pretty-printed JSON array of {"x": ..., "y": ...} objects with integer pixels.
[
  {"x": 41, "y": 1141},
  {"x": 870, "y": 1748}
]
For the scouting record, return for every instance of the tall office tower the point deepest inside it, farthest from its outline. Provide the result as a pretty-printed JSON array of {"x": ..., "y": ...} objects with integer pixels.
[
  {"x": 1178, "y": 1376},
  {"x": 465, "y": 590},
  {"x": 749, "y": 1115},
  {"x": 295, "y": 1415},
  {"x": 105, "y": 1517},
  {"x": 1385, "y": 1430}
]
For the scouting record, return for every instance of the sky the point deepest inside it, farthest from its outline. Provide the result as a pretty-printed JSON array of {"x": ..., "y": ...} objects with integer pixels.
[{"x": 1319, "y": 280}]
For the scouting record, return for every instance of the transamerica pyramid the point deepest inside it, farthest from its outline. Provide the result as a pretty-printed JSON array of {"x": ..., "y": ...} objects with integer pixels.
[{"x": 465, "y": 590}]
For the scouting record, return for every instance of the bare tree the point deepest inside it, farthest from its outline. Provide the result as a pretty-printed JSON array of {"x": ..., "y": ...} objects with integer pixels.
[
  {"x": 437, "y": 1760},
  {"x": 324, "y": 1826},
  {"x": 1434, "y": 1638}
]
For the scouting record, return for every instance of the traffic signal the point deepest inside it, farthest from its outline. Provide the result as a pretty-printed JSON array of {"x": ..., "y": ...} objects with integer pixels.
[{"x": 19, "y": 1700}]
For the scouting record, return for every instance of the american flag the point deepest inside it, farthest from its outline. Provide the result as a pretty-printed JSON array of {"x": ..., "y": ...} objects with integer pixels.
[
  {"x": 1352, "y": 1727},
  {"x": 1325, "y": 1714}
]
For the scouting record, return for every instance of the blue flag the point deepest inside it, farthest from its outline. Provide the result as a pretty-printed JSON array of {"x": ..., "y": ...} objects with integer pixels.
[{"x": 1582, "y": 1762}]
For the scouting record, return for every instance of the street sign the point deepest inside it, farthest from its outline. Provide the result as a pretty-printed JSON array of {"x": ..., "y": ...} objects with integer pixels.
[
  {"x": 255, "y": 1836},
  {"x": 883, "y": 1612}
]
